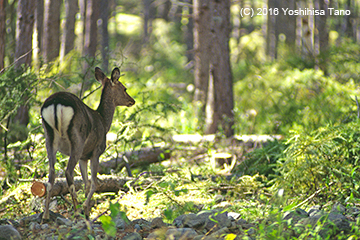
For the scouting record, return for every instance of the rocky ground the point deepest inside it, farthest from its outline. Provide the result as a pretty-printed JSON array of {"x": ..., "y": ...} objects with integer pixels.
[{"x": 207, "y": 225}]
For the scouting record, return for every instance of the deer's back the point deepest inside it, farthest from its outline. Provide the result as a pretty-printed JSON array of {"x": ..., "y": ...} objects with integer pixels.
[{"x": 66, "y": 118}]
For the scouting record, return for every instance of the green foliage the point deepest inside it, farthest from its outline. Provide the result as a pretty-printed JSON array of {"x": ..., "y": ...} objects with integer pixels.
[
  {"x": 272, "y": 100},
  {"x": 262, "y": 160},
  {"x": 323, "y": 160},
  {"x": 108, "y": 221},
  {"x": 16, "y": 88}
]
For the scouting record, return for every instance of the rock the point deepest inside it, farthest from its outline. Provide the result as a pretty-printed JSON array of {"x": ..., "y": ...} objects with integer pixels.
[
  {"x": 180, "y": 233},
  {"x": 34, "y": 226},
  {"x": 234, "y": 216},
  {"x": 157, "y": 223},
  {"x": 63, "y": 221},
  {"x": 338, "y": 207},
  {"x": 132, "y": 236},
  {"x": 9, "y": 232},
  {"x": 219, "y": 198},
  {"x": 219, "y": 219},
  {"x": 295, "y": 215}
]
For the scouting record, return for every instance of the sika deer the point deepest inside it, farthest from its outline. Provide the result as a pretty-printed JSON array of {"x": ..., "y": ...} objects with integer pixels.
[{"x": 78, "y": 131}]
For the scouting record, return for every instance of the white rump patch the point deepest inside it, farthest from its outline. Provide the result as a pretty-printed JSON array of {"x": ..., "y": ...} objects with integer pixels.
[{"x": 63, "y": 115}]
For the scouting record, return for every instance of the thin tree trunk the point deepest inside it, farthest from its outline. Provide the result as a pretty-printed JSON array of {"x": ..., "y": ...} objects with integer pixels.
[
  {"x": 68, "y": 37},
  {"x": 39, "y": 21},
  {"x": 91, "y": 39},
  {"x": 51, "y": 41},
  {"x": 24, "y": 30},
  {"x": 104, "y": 15},
  {"x": 2, "y": 32}
]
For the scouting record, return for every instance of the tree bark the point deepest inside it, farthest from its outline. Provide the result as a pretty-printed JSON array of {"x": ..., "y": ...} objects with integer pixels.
[
  {"x": 104, "y": 15},
  {"x": 2, "y": 32},
  {"x": 220, "y": 108},
  {"x": 104, "y": 184},
  {"x": 202, "y": 17},
  {"x": 39, "y": 21},
  {"x": 51, "y": 41},
  {"x": 24, "y": 30},
  {"x": 139, "y": 158},
  {"x": 68, "y": 37},
  {"x": 271, "y": 32},
  {"x": 91, "y": 39}
]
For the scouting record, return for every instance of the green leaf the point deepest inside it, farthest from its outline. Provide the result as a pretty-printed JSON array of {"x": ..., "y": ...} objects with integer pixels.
[{"x": 108, "y": 225}]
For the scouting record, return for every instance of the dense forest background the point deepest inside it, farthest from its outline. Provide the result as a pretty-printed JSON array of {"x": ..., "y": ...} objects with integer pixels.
[{"x": 288, "y": 68}]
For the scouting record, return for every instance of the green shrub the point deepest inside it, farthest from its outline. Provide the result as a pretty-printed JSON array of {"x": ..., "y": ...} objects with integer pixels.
[{"x": 323, "y": 160}]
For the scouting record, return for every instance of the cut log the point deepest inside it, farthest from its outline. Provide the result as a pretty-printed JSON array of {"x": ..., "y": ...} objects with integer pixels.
[
  {"x": 137, "y": 158},
  {"x": 105, "y": 184}
]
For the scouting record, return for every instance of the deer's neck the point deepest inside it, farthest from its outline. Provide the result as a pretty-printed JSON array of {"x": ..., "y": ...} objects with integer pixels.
[{"x": 106, "y": 109}]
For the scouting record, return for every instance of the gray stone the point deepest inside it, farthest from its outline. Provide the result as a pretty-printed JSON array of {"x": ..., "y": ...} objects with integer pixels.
[
  {"x": 132, "y": 236},
  {"x": 157, "y": 223},
  {"x": 296, "y": 215},
  {"x": 219, "y": 219},
  {"x": 180, "y": 233},
  {"x": 63, "y": 221},
  {"x": 234, "y": 215},
  {"x": 338, "y": 207},
  {"x": 34, "y": 226},
  {"x": 9, "y": 232}
]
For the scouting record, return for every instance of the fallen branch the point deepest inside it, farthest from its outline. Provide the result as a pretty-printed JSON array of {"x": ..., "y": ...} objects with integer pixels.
[
  {"x": 137, "y": 158},
  {"x": 104, "y": 184}
]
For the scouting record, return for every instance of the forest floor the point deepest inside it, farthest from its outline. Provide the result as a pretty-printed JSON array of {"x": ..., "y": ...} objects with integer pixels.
[{"x": 185, "y": 197}]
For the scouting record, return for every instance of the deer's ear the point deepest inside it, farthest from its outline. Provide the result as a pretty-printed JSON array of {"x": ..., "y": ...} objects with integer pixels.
[
  {"x": 99, "y": 75},
  {"x": 115, "y": 75}
]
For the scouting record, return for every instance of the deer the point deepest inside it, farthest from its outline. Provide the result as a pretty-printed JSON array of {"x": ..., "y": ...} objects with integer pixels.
[{"x": 76, "y": 130}]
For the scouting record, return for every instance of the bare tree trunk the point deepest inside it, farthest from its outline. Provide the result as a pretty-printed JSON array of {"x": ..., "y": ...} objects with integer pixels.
[
  {"x": 68, "y": 37},
  {"x": 91, "y": 38},
  {"x": 104, "y": 15},
  {"x": 287, "y": 23},
  {"x": 271, "y": 34},
  {"x": 202, "y": 17},
  {"x": 2, "y": 32},
  {"x": 220, "y": 72},
  {"x": 51, "y": 41},
  {"x": 23, "y": 52},
  {"x": 24, "y": 30},
  {"x": 39, "y": 21},
  {"x": 321, "y": 36}
]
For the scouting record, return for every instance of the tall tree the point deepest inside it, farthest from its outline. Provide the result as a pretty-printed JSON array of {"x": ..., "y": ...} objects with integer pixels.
[
  {"x": 91, "y": 38},
  {"x": 220, "y": 102},
  {"x": 68, "y": 37},
  {"x": 51, "y": 40},
  {"x": 24, "y": 30},
  {"x": 23, "y": 53},
  {"x": 2, "y": 32},
  {"x": 202, "y": 17},
  {"x": 271, "y": 31},
  {"x": 104, "y": 15},
  {"x": 39, "y": 22}
]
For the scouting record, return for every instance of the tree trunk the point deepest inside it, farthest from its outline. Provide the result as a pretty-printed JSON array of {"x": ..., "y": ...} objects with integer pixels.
[
  {"x": 202, "y": 51},
  {"x": 287, "y": 22},
  {"x": 2, "y": 32},
  {"x": 24, "y": 31},
  {"x": 138, "y": 158},
  {"x": 271, "y": 32},
  {"x": 189, "y": 35},
  {"x": 39, "y": 21},
  {"x": 91, "y": 39},
  {"x": 221, "y": 107},
  {"x": 51, "y": 41},
  {"x": 104, "y": 15},
  {"x": 321, "y": 36},
  {"x": 68, "y": 37}
]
